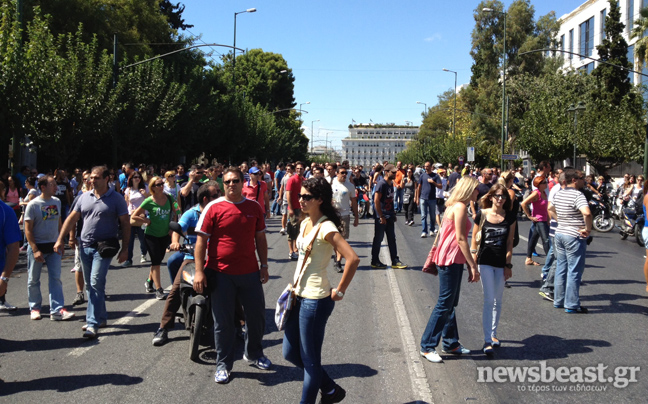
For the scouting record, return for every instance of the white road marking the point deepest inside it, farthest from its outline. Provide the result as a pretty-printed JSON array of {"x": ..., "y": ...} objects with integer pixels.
[
  {"x": 120, "y": 321},
  {"x": 420, "y": 385}
]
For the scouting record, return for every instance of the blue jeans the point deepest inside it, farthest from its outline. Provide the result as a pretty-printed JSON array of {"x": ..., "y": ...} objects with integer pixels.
[
  {"x": 276, "y": 206},
  {"x": 139, "y": 232},
  {"x": 95, "y": 270},
  {"x": 541, "y": 232},
  {"x": 443, "y": 321},
  {"x": 398, "y": 198},
  {"x": 428, "y": 209},
  {"x": 302, "y": 344},
  {"x": 550, "y": 259},
  {"x": 379, "y": 233},
  {"x": 570, "y": 263},
  {"x": 34, "y": 268},
  {"x": 174, "y": 263}
]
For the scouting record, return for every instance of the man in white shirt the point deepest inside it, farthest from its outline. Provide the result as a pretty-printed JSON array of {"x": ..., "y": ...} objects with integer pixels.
[{"x": 344, "y": 197}]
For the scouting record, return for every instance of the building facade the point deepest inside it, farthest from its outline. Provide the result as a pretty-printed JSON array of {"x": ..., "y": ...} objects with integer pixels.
[
  {"x": 582, "y": 30},
  {"x": 368, "y": 144}
]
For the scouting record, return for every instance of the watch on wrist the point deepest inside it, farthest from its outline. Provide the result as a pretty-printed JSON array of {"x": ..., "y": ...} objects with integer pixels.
[
  {"x": 264, "y": 265},
  {"x": 337, "y": 292},
  {"x": 508, "y": 266},
  {"x": 4, "y": 278}
]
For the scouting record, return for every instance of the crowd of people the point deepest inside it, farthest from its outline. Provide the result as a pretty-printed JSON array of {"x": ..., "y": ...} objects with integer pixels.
[{"x": 100, "y": 212}]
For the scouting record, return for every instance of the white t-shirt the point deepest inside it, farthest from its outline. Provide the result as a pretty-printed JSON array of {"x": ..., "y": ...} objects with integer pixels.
[{"x": 342, "y": 196}]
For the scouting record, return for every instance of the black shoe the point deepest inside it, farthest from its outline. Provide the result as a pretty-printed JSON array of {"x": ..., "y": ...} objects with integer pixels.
[
  {"x": 378, "y": 265},
  {"x": 161, "y": 337},
  {"x": 159, "y": 294},
  {"x": 338, "y": 395},
  {"x": 338, "y": 267},
  {"x": 79, "y": 299},
  {"x": 149, "y": 286}
]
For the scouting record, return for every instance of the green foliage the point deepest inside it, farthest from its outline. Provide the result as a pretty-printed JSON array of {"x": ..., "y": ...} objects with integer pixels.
[
  {"x": 641, "y": 46},
  {"x": 614, "y": 83}
]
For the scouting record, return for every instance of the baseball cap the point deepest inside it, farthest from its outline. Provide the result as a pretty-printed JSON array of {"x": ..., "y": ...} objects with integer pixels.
[
  {"x": 437, "y": 165},
  {"x": 254, "y": 170},
  {"x": 390, "y": 167}
]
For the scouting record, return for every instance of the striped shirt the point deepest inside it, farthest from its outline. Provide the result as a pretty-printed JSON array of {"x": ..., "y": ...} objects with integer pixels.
[{"x": 568, "y": 203}]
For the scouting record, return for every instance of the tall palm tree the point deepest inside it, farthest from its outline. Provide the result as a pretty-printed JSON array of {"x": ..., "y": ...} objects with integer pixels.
[{"x": 639, "y": 31}]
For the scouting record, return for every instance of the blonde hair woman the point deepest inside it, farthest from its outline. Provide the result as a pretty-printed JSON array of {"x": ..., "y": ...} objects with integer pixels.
[
  {"x": 171, "y": 187},
  {"x": 452, "y": 253}
]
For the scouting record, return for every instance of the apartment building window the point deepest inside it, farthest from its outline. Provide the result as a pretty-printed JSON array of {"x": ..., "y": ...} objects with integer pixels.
[
  {"x": 630, "y": 15},
  {"x": 586, "y": 37},
  {"x": 562, "y": 42},
  {"x": 571, "y": 43},
  {"x": 603, "y": 14}
]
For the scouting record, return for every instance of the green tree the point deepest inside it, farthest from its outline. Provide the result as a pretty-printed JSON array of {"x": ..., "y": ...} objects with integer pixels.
[
  {"x": 614, "y": 83},
  {"x": 639, "y": 31}
]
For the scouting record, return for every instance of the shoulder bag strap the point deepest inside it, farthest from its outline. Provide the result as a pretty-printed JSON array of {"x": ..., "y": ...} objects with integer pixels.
[{"x": 306, "y": 255}]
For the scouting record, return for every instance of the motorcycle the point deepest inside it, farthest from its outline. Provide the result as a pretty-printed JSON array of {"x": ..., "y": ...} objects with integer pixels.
[
  {"x": 603, "y": 220},
  {"x": 363, "y": 200},
  {"x": 196, "y": 307},
  {"x": 632, "y": 222}
]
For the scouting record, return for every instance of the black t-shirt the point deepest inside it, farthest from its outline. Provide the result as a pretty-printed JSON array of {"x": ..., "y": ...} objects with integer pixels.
[
  {"x": 386, "y": 198},
  {"x": 61, "y": 192},
  {"x": 452, "y": 179},
  {"x": 492, "y": 248},
  {"x": 359, "y": 182}
]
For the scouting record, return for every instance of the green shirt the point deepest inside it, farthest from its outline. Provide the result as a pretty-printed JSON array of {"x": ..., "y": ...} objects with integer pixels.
[{"x": 160, "y": 216}]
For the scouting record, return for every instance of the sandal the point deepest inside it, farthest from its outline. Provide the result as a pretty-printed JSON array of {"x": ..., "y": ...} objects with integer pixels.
[{"x": 529, "y": 261}]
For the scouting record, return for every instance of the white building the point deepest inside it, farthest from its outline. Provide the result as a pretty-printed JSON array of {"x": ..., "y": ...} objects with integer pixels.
[
  {"x": 368, "y": 144},
  {"x": 584, "y": 28}
]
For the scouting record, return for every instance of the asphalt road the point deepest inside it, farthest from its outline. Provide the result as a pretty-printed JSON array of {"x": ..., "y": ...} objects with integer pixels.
[{"x": 371, "y": 346}]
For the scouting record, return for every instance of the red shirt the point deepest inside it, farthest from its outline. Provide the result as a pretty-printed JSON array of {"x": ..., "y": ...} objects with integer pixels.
[
  {"x": 250, "y": 192},
  {"x": 231, "y": 228},
  {"x": 294, "y": 186}
]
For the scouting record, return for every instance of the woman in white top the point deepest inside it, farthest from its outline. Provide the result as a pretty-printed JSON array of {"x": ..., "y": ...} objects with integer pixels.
[
  {"x": 135, "y": 194},
  {"x": 315, "y": 299},
  {"x": 171, "y": 187}
]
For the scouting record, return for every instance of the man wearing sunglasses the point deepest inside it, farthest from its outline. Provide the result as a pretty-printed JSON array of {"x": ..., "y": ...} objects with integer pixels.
[
  {"x": 385, "y": 220},
  {"x": 345, "y": 201},
  {"x": 229, "y": 230},
  {"x": 293, "y": 187}
]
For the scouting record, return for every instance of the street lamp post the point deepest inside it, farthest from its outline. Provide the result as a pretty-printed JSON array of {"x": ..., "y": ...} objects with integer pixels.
[
  {"x": 424, "y": 104},
  {"x": 454, "y": 113},
  {"x": 490, "y": 10},
  {"x": 575, "y": 108},
  {"x": 249, "y": 10},
  {"x": 312, "y": 122},
  {"x": 300, "y": 110}
]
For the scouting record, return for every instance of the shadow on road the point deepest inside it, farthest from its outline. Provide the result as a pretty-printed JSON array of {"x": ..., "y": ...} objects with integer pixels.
[
  {"x": 541, "y": 347},
  {"x": 64, "y": 384}
]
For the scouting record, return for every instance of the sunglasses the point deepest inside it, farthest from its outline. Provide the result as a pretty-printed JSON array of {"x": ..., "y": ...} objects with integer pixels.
[
  {"x": 498, "y": 196},
  {"x": 157, "y": 185},
  {"x": 230, "y": 182},
  {"x": 343, "y": 173},
  {"x": 306, "y": 197},
  {"x": 137, "y": 177}
]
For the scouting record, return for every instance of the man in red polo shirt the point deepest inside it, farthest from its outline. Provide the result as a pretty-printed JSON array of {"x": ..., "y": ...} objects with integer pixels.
[
  {"x": 257, "y": 190},
  {"x": 293, "y": 188},
  {"x": 229, "y": 230}
]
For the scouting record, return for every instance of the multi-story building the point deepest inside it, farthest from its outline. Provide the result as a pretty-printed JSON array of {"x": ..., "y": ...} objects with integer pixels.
[
  {"x": 368, "y": 144},
  {"x": 584, "y": 28}
]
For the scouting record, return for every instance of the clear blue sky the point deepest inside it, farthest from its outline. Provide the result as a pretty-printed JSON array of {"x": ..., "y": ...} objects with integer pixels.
[{"x": 356, "y": 59}]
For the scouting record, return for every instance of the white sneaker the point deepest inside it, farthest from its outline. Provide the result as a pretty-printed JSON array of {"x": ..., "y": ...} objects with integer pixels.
[
  {"x": 62, "y": 315},
  {"x": 432, "y": 356},
  {"x": 143, "y": 259},
  {"x": 432, "y": 233},
  {"x": 7, "y": 306},
  {"x": 282, "y": 231},
  {"x": 423, "y": 235}
]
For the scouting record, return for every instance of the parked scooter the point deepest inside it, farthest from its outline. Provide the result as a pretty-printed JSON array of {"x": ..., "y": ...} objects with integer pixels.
[
  {"x": 632, "y": 222},
  {"x": 196, "y": 307}
]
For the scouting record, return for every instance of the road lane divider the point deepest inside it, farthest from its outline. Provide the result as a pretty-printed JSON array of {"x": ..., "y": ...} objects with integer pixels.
[{"x": 418, "y": 376}]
